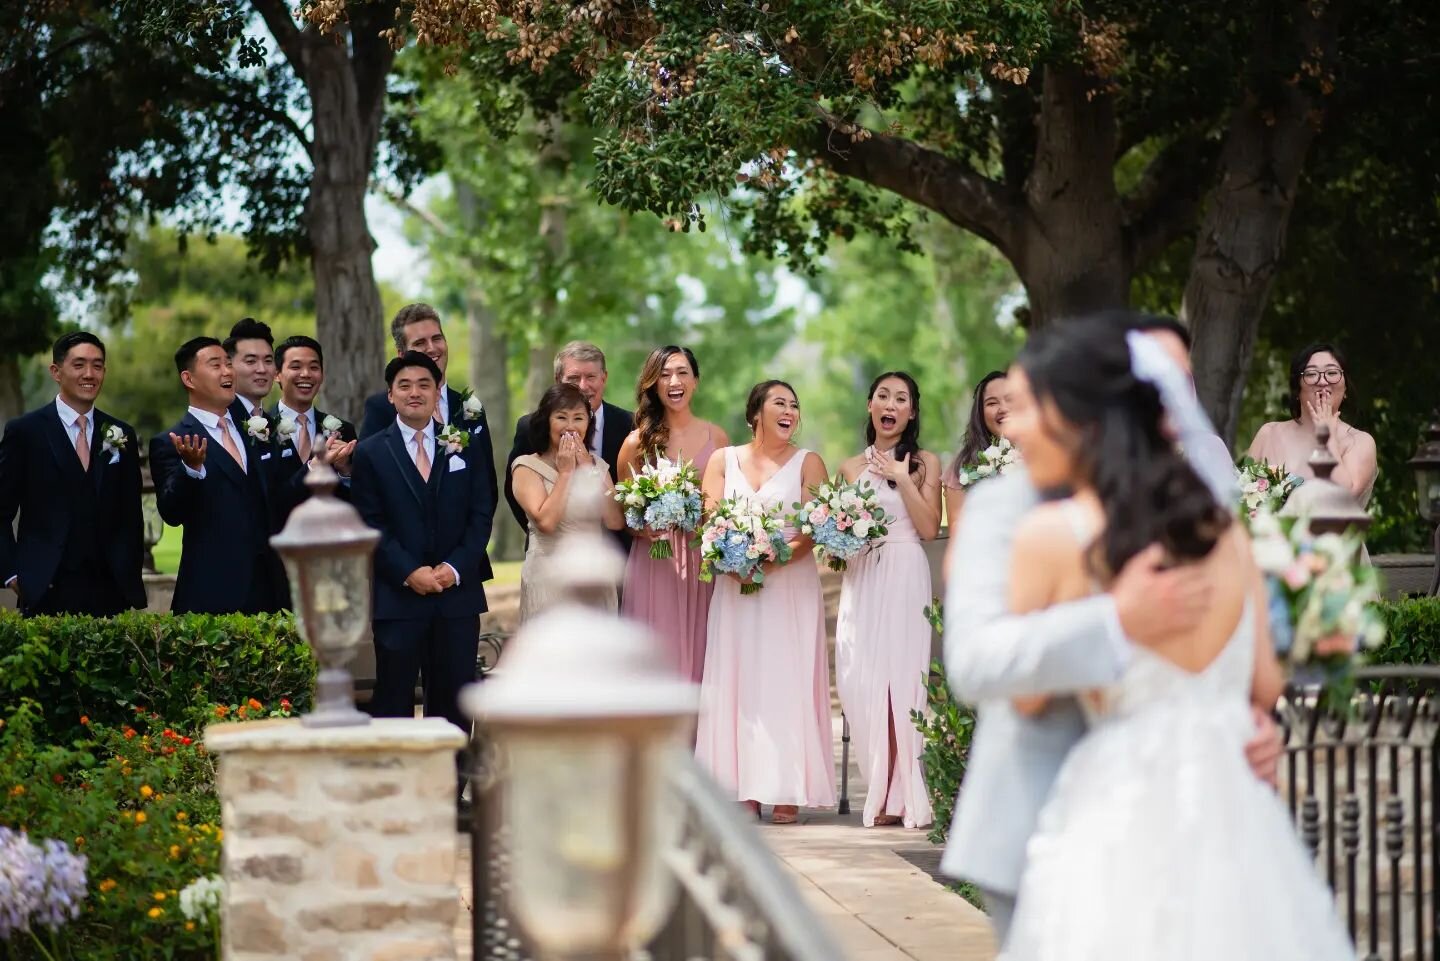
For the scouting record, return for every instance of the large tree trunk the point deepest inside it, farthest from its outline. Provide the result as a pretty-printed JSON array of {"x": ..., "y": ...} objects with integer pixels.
[
  {"x": 348, "y": 318},
  {"x": 553, "y": 160},
  {"x": 1242, "y": 236},
  {"x": 345, "y": 76}
]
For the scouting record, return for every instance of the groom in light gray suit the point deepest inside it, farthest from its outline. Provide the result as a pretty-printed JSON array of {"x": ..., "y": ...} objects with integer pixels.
[{"x": 992, "y": 656}]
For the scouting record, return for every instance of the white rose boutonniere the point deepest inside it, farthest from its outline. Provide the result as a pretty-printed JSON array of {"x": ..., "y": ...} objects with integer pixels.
[
  {"x": 471, "y": 405},
  {"x": 330, "y": 427},
  {"x": 258, "y": 427},
  {"x": 454, "y": 439},
  {"x": 286, "y": 428},
  {"x": 114, "y": 439}
]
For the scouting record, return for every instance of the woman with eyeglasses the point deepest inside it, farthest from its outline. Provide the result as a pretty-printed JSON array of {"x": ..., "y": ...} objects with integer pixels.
[{"x": 1317, "y": 389}]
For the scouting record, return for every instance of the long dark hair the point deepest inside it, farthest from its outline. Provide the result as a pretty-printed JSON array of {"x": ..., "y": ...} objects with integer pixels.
[
  {"x": 1148, "y": 491},
  {"x": 649, "y": 411},
  {"x": 1300, "y": 360},
  {"x": 909, "y": 443},
  {"x": 756, "y": 400},
  {"x": 977, "y": 432},
  {"x": 558, "y": 397}
]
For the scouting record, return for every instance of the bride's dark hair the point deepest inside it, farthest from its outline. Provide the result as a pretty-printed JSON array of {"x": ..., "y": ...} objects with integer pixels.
[{"x": 1148, "y": 491}]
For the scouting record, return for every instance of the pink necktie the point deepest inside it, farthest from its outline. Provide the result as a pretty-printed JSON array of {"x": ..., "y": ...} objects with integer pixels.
[
  {"x": 422, "y": 457},
  {"x": 228, "y": 441},
  {"x": 302, "y": 442},
  {"x": 82, "y": 449}
]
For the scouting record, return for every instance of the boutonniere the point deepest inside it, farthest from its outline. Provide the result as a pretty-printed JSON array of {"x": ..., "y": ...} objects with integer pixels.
[
  {"x": 286, "y": 427},
  {"x": 114, "y": 439},
  {"x": 454, "y": 439},
  {"x": 470, "y": 404},
  {"x": 258, "y": 427},
  {"x": 330, "y": 427}
]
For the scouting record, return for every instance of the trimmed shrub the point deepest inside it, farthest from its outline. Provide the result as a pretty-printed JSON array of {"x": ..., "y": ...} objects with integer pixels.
[{"x": 1412, "y": 633}]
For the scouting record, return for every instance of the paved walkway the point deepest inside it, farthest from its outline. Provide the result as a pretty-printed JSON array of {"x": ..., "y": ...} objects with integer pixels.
[{"x": 864, "y": 884}]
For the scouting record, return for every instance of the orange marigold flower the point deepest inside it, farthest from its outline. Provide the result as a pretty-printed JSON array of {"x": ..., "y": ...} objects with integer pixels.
[
  {"x": 189, "y": 925},
  {"x": 80, "y": 841},
  {"x": 84, "y": 720},
  {"x": 130, "y": 732},
  {"x": 182, "y": 816},
  {"x": 154, "y": 912},
  {"x": 146, "y": 790},
  {"x": 159, "y": 895},
  {"x": 107, "y": 885},
  {"x": 17, "y": 790},
  {"x": 241, "y": 712},
  {"x": 221, "y": 710},
  {"x": 174, "y": 851},
  {"x": 140, "y": 817},
  {"x": 254, "y": 704}
]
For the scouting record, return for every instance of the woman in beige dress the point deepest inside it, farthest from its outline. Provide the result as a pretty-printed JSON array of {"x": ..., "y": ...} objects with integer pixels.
[
  {"x": 561, "y": 428},
  {"x": 1317, "y": 389}
]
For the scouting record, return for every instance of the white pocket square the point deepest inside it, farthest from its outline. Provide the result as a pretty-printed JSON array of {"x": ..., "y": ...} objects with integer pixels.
[
  {"x": 265, "y": 456},
  {"x": 114, "y": 457},
  {"x": 287, "y": 452},
  {"x": 456, "y": 464},
  {"x": 478, "y": 428}
]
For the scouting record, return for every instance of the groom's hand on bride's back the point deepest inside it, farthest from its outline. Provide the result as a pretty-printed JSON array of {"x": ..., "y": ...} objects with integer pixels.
[{"x": 1156, "y": 603}]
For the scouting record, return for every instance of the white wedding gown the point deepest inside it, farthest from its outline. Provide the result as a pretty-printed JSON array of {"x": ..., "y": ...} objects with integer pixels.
[{"x": 1159, "y": 843}]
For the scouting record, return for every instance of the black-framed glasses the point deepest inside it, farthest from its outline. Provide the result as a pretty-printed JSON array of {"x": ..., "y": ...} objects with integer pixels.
[{"x": 1314, "y": 375}]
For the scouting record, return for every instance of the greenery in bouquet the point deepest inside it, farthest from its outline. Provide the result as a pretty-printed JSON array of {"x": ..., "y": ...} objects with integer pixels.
[
  {"x": 1331, "y": 596},
  {"x": 997, "y": 459},
  {"x": 1263, "y": 489},
  {"x": 664, "y": 497},
  {"x": 740, "y": 536},
  {"x": 842, "y": 519}
]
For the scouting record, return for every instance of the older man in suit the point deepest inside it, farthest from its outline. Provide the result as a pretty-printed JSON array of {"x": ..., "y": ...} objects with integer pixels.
[
  {"x": 72, "y": 472},
  {"x": 992, "y": 656},
  {"x": 433, "y": 503},
  {"x": 583, "y": 365},
  {"x": 211, "y": 478}
]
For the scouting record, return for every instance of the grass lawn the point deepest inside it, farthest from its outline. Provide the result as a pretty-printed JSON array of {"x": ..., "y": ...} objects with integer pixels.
[{"x": 167, "y": 559}]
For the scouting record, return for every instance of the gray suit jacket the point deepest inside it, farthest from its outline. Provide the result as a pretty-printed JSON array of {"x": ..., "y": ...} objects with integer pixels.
[{"x": 992, "y": 656}]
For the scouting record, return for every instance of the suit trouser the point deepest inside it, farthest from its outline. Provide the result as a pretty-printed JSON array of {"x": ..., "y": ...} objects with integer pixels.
[
  {"x": 1000, "y": 908},
  {"x": 91, "y": 590},
  {"x": 440, "y": 650}
]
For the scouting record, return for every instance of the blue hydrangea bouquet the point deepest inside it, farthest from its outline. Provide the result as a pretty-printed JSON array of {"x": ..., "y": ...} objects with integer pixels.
[
  {"x": 740, "y": 535},
  {"x": 664, "y": 496},
  {"x": 842, "y": 519}
]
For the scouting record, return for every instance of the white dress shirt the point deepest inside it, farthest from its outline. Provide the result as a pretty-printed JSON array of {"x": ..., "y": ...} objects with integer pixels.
[
  {"x": 71, "y": 418},
  {"x": 599, "y": 434},
  {"x": 214, "y": 424},
  {"x": 442, "y": 406},
  {"x": 407, "y": 434},
  {"x": 250, "y": 409}
]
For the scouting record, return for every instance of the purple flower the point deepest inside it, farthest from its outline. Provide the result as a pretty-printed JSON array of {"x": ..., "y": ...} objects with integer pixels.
[{"x": 41, "y": 884}]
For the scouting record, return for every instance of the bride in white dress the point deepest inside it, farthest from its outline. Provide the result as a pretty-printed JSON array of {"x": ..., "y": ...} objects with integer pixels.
[{"x": 1158, "y": 843}]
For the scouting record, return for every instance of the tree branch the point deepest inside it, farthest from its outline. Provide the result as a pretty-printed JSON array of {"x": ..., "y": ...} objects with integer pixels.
[
  {"x": 212, "y": 89},
  {"x": 1165, "y": 202},
  {"x": 277, "y": 16},
  {"x": 925, "y": 176}
]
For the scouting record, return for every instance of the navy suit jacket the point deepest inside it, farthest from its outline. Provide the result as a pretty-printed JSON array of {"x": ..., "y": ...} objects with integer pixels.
[
  {"x": 228, "y": 518},
  {"x": 286, "y": 469},
  {"x": 41, "y": 477},
  {"x": 446, "y": 520},
  {"x": 619, "y": 422}
]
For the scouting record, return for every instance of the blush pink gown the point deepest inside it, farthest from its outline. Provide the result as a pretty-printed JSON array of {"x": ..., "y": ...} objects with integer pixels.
[
  {"x": 669, "y": 596},
  {"x": 882, "y": 655},
  {"x": 764, "y": 732}
]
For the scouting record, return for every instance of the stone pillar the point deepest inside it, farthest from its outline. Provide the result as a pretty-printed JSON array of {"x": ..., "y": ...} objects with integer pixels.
[{"x": 339, "y": 842}]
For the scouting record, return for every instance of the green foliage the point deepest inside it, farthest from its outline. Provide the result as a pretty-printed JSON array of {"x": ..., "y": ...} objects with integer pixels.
[
  {"x": 946, "y": 732},
  {"x": 138, "y": 801},
  {"x": 103, "y": 668},
  {"x": 1412, "y": 633}
]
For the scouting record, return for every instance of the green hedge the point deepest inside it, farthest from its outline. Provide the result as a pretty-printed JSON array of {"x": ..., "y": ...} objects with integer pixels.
[
  {"x": 170, "y": 664},
  {"x": 1412, "y": 633}
]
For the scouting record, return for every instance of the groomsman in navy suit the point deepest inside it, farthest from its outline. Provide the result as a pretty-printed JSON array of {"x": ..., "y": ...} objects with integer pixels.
[
  {"x": 251, "y": 349},
  {"x": 433, "y": 506},
  {"x": 211, "y": 478},
  {"x": 73, "y": 473},
  {"x": 300, "y": 431},
  {"x": 417, "y": 327}
]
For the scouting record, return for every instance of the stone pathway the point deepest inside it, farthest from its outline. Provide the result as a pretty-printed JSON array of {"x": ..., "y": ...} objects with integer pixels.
[{"x": 864, "y": 884}]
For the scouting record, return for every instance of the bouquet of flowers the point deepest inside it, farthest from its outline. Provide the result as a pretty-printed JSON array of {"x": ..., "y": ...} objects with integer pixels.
[
  {"x": 664, "y": 496},
  {"x": 1329, "y": 594},
  {"x": 1264, "y": 488},
  {"x": 740, "y": 535},
  {"x": 843, "y": 519},
  {"x": 998, "y": 458}
]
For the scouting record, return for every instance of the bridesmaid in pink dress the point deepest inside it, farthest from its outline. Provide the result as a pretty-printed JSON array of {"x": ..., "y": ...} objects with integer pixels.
[
  {"x": 667, "y": 593},
  {"x": 764, "y": 731},
  {"x": 882, "y": 639}
]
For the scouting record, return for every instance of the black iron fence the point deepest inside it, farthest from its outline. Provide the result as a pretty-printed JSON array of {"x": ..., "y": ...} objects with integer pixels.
[{"x": 1361, "y": 786}]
